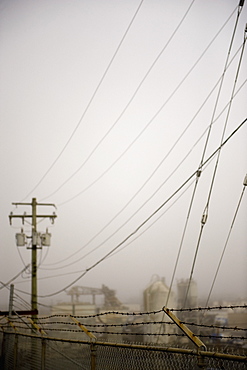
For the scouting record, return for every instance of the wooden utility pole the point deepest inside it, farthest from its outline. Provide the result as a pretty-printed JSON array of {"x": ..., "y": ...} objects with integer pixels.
[
  {"x": 35, "y": 237},
  {"x": 34, "y": 255}
]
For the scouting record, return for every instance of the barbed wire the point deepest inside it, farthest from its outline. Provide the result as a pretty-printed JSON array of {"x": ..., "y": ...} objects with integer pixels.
[
  {"x": 103, "y": 314},
  {"x": 110, "y": 325},
  {"x": 232, "y": 307},
  {"x": 224, "y": 327},
  {"x": 139, "y": 314},
  {"x": 121, "y": 325},
  {"x": 206, "y": 308},
  {"x": 242, "y": 338}
]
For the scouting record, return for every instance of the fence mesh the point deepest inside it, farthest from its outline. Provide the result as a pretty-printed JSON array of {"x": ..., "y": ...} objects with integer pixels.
[
  {"x": 24, "y": 351},
  {"x": 122, "y": 341},
  {"x": 129, "y": 358}
]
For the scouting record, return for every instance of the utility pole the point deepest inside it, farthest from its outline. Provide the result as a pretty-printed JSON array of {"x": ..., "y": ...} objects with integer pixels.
[
  {"x": 34, "y": 255},
  {"x": 38, "y": 240}
]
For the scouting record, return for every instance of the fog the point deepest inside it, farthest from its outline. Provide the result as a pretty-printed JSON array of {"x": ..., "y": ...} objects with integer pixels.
[{"x": 105, "y": 108}]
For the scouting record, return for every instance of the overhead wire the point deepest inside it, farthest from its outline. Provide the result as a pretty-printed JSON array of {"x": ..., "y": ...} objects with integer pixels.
[
  {"x": 21, "y": 302},
  {"x": 5, "y": 285},
  {"x": 18, "y": 297},
  {"x": 44, "y": 258},
  {"x": 147, "y": 125},
  {"x": 90, "y": 101},
  {"x": 227, "y": 240},
  {"x": 156, "y": 168},
  {"x": 141, "y": 225},
  {"x": 120, "y": 227},
  {"x": 149, "y": 226},
  {"x": 125, "y": 108},
  {"x": 119, "y": 250},
  {"x": 21, "y": 258},
  {"x": 206, "y": 209},
  {"x": 224, "y": 143},
  {"x": 126, "y": 245},
  {"x": 203, "y": 154},
  {"x": 127, "y": 221},
  {"x": 188, "y": 213},
  {"x": 148, "y": 218},
  {"x": 162, "y": 214}
]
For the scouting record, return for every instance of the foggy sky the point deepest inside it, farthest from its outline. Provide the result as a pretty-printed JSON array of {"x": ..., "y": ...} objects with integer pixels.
[{"x": 53, "y": 56}]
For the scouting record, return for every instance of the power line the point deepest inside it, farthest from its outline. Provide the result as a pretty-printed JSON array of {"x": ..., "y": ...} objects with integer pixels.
[
  {"x": 227, "y": 239},
  {"x": 21, "y": 258},
  {"x": 119, "y": 250},
  {"x": 122, "y": 113},
  {"x": 199, "y": 174},
  {"x": 23, "y": 301},
  {"x": 146, "y": 126},
  {"x": 155, "y": 170},
  {"x": 205, "y": 212},
  {"x": 120, "y": 227},
  {"x": 5, "y": 285},
  {"x": 186, "y": 222},
  {"x": 147, "y": 219},
  {"x": 222, "y": 79},
  {"x": 90, "y": 101}
]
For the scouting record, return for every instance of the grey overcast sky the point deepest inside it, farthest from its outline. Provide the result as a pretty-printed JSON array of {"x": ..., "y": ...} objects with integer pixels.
[{"x": 104, "y": 108}]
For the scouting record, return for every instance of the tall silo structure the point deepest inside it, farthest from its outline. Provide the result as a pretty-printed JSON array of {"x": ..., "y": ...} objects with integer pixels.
[
  {"x": 155, "y": 298},
  {"x": 187, "y": 297}
]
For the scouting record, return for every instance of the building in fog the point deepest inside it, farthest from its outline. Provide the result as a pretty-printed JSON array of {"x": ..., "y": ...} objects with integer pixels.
[
  {"x": 155, "y": 297},
  {"x": 187, "y": 297}
]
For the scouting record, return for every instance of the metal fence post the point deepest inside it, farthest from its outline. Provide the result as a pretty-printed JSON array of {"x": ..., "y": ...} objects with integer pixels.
[
  {"x": 43, "y": 354},
  {"x": 201, "y": 363},
  {"x": 15, "y": 352},
  {"x": 93, "y": 355},
  {"x": 2, "y": 358}
]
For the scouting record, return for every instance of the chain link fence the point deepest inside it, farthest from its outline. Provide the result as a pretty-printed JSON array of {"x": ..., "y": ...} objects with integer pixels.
[{"x": 27, "y": 351}]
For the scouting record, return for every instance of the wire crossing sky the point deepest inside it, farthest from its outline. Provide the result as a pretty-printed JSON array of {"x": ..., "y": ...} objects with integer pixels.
[{"x": 109, "y": 102}]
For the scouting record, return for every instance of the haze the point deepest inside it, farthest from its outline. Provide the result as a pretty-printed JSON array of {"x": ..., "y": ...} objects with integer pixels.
[{"x": 88, "y": 123}]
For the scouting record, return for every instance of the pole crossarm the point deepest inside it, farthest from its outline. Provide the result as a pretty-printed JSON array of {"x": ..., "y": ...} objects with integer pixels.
[
  {"x": 38, "y": 204},
  {"x": 30, "y": 216},
  {"x": 34, "y": 203}
]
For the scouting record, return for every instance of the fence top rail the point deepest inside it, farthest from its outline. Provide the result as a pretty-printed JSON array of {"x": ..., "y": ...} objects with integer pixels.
[{"x": 132, "y": 346}]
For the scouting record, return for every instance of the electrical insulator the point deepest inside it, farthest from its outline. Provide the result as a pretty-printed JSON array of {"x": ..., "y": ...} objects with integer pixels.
[
  {"x": 204, "y": 218},
  {"x": 198, "y": 173},
  {"x": 245, "y": 180},
  {"x": 241, "y": 3},
  {"x": 20, "y": 239},
  {"x": 46, "y": 239}
]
